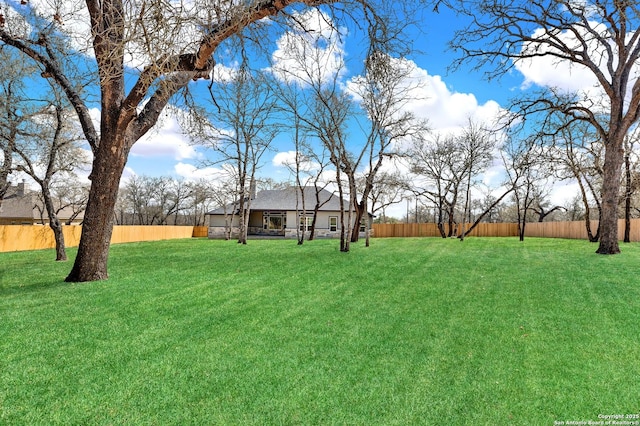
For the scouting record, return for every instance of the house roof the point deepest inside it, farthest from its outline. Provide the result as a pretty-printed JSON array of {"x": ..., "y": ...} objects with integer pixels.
[
  {"x": 17, "y": 206},
  {"x": 285, "y": 199},
  {"x": 22, "y": 205}
]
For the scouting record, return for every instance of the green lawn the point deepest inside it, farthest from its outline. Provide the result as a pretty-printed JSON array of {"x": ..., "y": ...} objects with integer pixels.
[{"x": 408, "y": 331}]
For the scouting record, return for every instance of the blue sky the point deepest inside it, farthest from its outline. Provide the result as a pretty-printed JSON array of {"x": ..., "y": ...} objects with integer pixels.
[
  {"x": 452, "y": 97},
  {"x": 165, "y": 151}
]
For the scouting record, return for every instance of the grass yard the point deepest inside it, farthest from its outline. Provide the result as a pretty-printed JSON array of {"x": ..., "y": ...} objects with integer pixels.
[{"x": 407, "y": 331}]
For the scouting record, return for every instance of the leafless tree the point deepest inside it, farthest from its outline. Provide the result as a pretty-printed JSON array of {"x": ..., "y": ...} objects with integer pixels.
[
  {"x": 387, "y": 190},
  {"x": 174, "y": 40},
  {"x": 600, "y": 38},
  {"x": 385, "y": 90},
  {"x": 225, "y": 196},
  {"x": 242, "y": 131},
  {"x": 16, "y": 111},
  {"x": 426, "y": 161},
  {"x": 49, "y": 149},
  {"x": 575, "y": 153},
  {"x": 156, "y": 200},
  {"x": 71, "y": 195},
  {"x": 444, "y": 169},
  {"x": 326, "y": 111},
  {"x": 292, "y": 104},
  {"x": 200, "y": 200},
  {"x": 528, "y": 172},
  {"x": 476, "y": 145},
  {"x": 333, "y": 109},
  {"x": 542, "y": 209}
]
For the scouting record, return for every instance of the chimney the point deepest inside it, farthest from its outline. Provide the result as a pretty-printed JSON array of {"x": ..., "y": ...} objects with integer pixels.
[
  {"x": 252, "y": 189},
  {"x": 20, "y": 189}
]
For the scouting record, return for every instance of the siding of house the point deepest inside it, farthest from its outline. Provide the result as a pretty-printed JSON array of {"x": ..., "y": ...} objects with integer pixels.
[
  {"x": 280, "y": 203},
  {"x": 217, "y": 226}
]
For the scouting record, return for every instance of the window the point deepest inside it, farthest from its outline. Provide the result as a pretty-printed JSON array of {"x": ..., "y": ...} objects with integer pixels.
[
  {"x": 333, "y": 223},
  {"x": 306, "y": 222},
  {"x": 274, "y": 220}
]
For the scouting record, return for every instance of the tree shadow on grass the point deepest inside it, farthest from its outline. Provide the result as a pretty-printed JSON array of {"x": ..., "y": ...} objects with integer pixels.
[
  {"x": 27, "y": 277},
  {"x": 44, "y": 284}
]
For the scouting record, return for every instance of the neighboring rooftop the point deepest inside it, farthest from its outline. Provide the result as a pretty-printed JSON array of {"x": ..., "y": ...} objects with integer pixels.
[
  {"x": 288, "y": 199},
  {"x": 21, "y": 206}
]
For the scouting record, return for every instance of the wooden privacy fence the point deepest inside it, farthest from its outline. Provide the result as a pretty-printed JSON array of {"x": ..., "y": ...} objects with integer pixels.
[
  {"x": 577, "y": 230},
  {"x": 200, "y": 231},
  {"x": 571, "y": 230},
  {"x": 382, "y": 230},
  {"x": 36, "y": 237}
]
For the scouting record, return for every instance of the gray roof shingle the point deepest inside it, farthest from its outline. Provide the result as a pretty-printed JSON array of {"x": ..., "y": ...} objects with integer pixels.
[{"x": 285, "y": 199}]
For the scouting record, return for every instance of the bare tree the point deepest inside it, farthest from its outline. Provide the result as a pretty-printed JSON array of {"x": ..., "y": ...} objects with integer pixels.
[
  {"x": 326, "y": 109},
  {"x": 542, "y": 209},
  {"x": 154, "y": 200},
  {"x": 51, "y": 149},
  {"x": 385, "y": 90},
  {"x": 437, "y": 173},
  {"x": 242, "y": 131},
  {"x": 225, "y": 195},
  {"x": 599, "y": 38},
  {"x": 527, "y": 172},
  {"x": 299, "y": 103},
  {"x": 292, "y": 106},
  {"x": 575, "y": 153},
  {"x": 198, "y": 200},
  {"x": 70, "y": 195},
  {"x": 16, "y": 111},
  {"x": 476, "y": 146},
  {"x": 175, "y": 41},
  {"x": 387, "y": 190}
]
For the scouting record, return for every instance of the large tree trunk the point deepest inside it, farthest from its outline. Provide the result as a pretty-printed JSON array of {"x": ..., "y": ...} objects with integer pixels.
[
  {"x": 612, "y": 172},
  {"x": 93, "y": 251}
]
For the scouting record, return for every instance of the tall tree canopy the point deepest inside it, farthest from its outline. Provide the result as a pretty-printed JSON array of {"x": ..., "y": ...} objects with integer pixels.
[
  {"x": 597, "y": 42},
  {"x": 143, "y": 53}
]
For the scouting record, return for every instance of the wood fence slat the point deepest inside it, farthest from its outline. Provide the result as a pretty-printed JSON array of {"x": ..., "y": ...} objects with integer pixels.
[
  {"x": 570, "y": 230},
  {"x": 37, "y": 237}
]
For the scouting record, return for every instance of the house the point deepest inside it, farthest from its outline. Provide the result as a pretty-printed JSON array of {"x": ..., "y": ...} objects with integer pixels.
[
  {"x": 279, "y": 213},
  {"x": 21, "y": 206}
]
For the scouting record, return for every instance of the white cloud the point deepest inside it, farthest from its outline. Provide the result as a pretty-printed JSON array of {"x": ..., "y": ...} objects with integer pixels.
[
  {"x": 284, "y": 159},
  {"x": 193, "y": 173},
  {"x": 311, "y": 51},
  {"x": 70, "y": 17},
  {"x": 564, "y": 75},
  {"x": 127, "y": 174},
  {"x": 428, "y": 97},
  {"x": 448, "y": 110},
  {"x": 288, "y": 159},
  {"x": 563, "y": 192},
  {"x": 166, "y": 139},
  {"x": 223, "y": 73}
]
